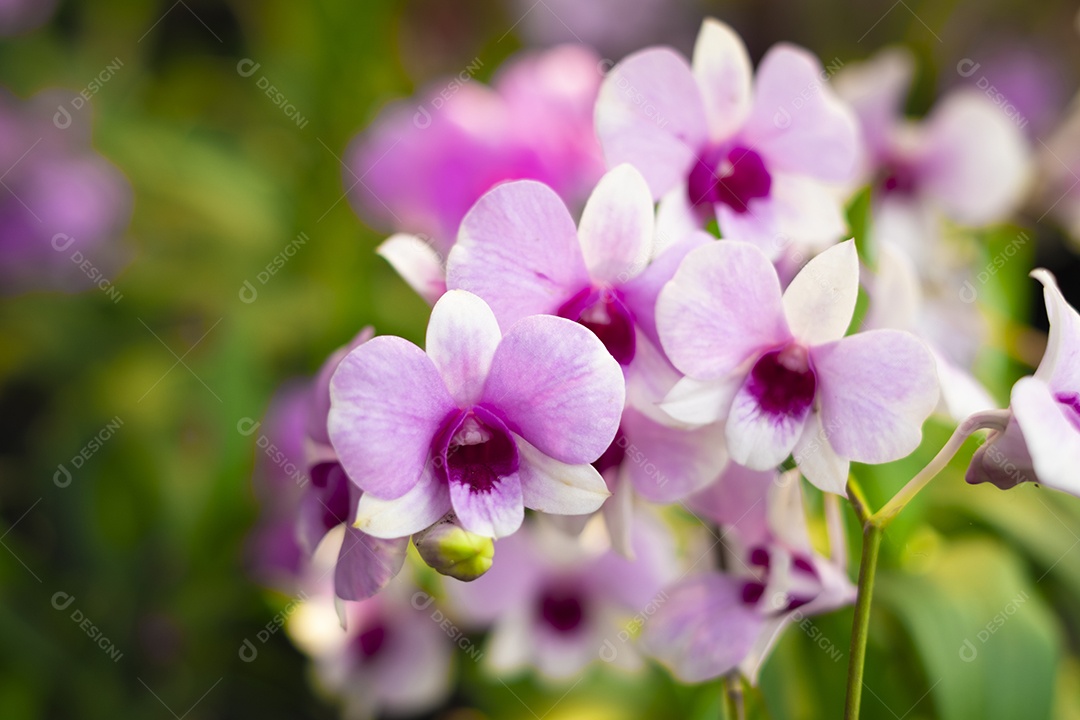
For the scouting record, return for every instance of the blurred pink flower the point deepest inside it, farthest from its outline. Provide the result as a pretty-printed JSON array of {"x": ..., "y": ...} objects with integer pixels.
[
  {"x": 19, "y": 16},
  {"x": 64, "y": 207},
  {"x": 715, "y": 622},
  {"x": 762, "y": 154},
  {"x": 422, "y": 164},
  {"x": 558, "y": 604}
]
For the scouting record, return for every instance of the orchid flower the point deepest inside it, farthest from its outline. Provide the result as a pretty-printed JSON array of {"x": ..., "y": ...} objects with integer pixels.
[
  {"x": 715, "y": 622},
  {"x": 382, "y": 655},
  {"x": 759, "y": 153},
  {"x": 422, "y": 164},
  {"x": 558, "y": 603},
  {"x": 1041, "y": 442},
  {"x": 519, "y": 249},
  {"x": 303, "y": 507},
  {"x": 482, "y": 423},
  {"x": 64, "y": 206},
  {"x": 967, "y": 162},
  {"x": 777, "y": 367}
]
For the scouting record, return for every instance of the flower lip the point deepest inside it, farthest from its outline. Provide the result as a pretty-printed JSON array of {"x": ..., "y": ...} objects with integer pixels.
[
  {"x": 732, "y": 178},
  {"x": 562, "y": 608},
  {"x": 603, "y": 311},
  {"x": 474, "y": 447},
  {"x": 899, "y": 178},
  {"x": 370, "y": 642},
  {"x": 783, "y": 382},
  {"x": 1071, "y": 404}
]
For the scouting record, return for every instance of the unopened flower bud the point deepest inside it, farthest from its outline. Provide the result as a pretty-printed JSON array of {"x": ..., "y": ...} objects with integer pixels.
[{"x": 454, "y": 551}]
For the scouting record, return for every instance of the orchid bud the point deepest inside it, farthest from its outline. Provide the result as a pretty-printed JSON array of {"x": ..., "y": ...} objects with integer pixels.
[{"x": 454, "y": 551}]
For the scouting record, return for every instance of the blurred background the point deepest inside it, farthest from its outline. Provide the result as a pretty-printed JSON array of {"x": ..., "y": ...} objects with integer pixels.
[{"x": 125, "y": 483}]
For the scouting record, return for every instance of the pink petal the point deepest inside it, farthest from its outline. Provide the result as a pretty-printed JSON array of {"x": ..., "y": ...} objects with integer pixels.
[
  {"x": 558, "y": 387},
  {"x": 820, "y": 301},
  {"x": 704, "y": 629},
  {"x": 738, "y": 500},
  {"x": 667, "y": 464},
  {"x": 817, "y": 459},
  {"x": 977, "y": 162},
  {"x": 797, "y": 123},
  {"x": 462, "y": 336},
  {"x": 1060, "y": 366},
  {"x": 722, "y": 307},
  {"x": 650, "y": 114},
  {"x": 640, "y": 293},
  {"x": 696, "y": 402},
  {"x": 417, "y": 262},
  {"x": 722, "y": 70},
  {"x": 366, "y": 564},
  {"x": 1053, "y": 439},
  {"x": 496, "y": 511},
  {"x": 414, "y": 511},
  {"x": 876, "y": 90},
  {"x": 518, "y": 250},
  {"x": 806, "y": 211},
  {"x": 553, "y": 487},
  {"x": 875, "y": 390},
  {"x": 387, "y": 401},
  {"x": 616, "y": 229}
]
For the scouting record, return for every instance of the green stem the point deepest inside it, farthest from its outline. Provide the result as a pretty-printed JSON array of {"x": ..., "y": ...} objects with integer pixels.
[
  {"x": 992, "y": 419},
  {"x": 860, "y": 631},
  {"x": 874, "y": 523},
  {"x": 733, "y": 698}
]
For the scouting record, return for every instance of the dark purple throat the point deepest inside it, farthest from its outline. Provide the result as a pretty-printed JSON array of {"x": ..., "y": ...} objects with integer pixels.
[
  {"x": 603, "y": 311},
  {"x": 734, "y": 178}
]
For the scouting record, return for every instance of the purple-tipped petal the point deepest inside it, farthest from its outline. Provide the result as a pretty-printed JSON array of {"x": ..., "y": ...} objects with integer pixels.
[
  {"x": 1052, "y": 431},
  {"x": 704, "y": 629},
  {"x": 554, "y": 487},
  {"x": 820, "y": 301},
  {"x": 722, "y": 69},
  {"x": 387, "y": 402},
  {"x": 650, "y": 114},
  {"x": 518, "y": 250},
  {"x": 616, "y": 229},
  {"x": 1060, "y": 366},
  {"x": 558, "y": 387},
  {"x": 417, "y": 262},
  {"x": 875, "y": 389},
  {"x": 815, "y": 135},
  {"x": 414, "y": 511},
  {"x": 366, "y": 564},
  {"x": 462, "y": 335},
  {"x": 722, "y": 306}
]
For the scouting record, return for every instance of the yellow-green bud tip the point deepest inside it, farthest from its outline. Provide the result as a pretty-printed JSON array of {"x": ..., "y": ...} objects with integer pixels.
[{"x": 454, "y": 551}]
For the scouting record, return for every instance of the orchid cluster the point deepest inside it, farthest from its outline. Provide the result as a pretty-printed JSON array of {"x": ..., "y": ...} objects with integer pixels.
[{"x": 688, "y": 333}]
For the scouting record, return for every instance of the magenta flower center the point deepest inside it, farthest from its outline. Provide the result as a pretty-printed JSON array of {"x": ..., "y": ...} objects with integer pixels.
[
  {"x": 733, "y": 178},
  {"x": 603, "y": 311},
  {"x": 783, "y": 382},
  {"x": 899, "y": 178},
  {"x": 475, "y": 448},
  {"x": 1071, "y": 401},
  {"x": 805, "y": 582},
  {"x": 370, "y": 641},
  {"x": 562, "y": 609}
]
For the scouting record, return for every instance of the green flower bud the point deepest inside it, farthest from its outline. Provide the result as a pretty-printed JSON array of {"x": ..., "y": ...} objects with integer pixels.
[{"x": 454, "y": 551}]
